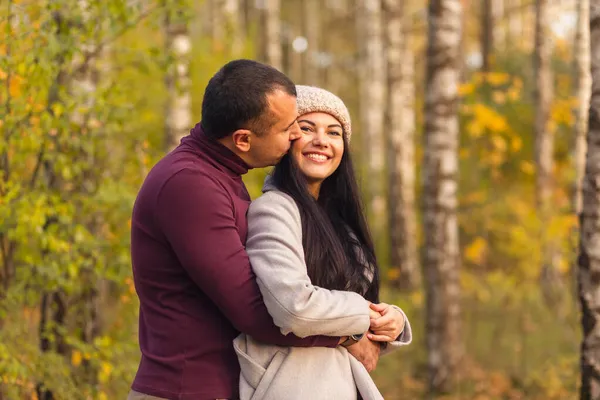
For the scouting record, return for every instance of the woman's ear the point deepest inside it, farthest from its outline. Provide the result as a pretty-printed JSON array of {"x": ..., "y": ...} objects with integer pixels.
[{"x": 242, "y": 139}]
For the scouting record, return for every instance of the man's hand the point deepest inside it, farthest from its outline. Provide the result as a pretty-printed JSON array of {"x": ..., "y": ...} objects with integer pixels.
[{"x": 367, "y": 352}]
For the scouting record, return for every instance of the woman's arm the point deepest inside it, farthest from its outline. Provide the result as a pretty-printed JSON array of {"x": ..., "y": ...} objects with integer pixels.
[{"x": 274, "y": 246}]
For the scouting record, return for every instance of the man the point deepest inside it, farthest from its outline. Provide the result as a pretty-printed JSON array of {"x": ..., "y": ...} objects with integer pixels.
[{"x": 196, "y": 287}]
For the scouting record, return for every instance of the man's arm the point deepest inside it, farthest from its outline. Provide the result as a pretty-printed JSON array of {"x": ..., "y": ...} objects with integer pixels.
[{"x": 197, "y": 218}]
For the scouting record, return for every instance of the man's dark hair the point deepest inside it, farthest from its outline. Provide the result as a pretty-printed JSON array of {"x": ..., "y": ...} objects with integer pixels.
[
  {"x": 338, "y": 247},
  {"x": 236, "y": 97}
]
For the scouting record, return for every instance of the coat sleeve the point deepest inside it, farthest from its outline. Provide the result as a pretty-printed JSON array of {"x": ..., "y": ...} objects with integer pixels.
[{"x": 276, "y": 254}]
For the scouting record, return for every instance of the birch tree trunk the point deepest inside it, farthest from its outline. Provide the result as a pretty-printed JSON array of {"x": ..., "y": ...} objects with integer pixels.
[
  {"x": 589, "y": 250},
  {"x": 312, "y": 23},
  {"x": 228, "y": 25},
  {"x": 178, "y": 116},
  {"x": 372, "y": 71},
  {"x": 582, "y": 70},
  {"x": 544, "y": 145},
  {"x": 400, "y": 130},
  {"x": 272, "y": 33},
  {"x": 499, "y": 27},
  {"x": 440, "y": 180},
  {"x": 515, "y": 22}
]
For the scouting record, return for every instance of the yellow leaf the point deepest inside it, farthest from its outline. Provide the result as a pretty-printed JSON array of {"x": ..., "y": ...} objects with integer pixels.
[
  {"x": 497, "y": 78},
  {"x": 466, "y": 88},
  {"x": 416, "y": 298},
  {"x": 105, "y": 371},
  {"x": 475, "y": 252},
  {"x": 102, "y": 396},
  {"x": 499, "y": 97},
  {"x": 499, "y": 142},
  {"x": 527, "y": 167},
  {"x": 76, "y": 358},
  {"x": 475, "y": 129},
  {"x": 393, "y": 274},
  {"x": 516, "y": 144}
]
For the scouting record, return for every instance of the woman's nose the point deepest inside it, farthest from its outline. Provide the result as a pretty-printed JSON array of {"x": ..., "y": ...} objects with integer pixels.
[{"x": 320, "y": 138}]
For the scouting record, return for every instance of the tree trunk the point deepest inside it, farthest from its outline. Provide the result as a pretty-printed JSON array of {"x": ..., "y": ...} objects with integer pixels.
[
  {"x": 272, "y": 33},
  {"x": 178, "y": 116},
  {"x": 487, "y": 34},
  {"x": 584, "y": 83},
  {"x": 312, "y": 23},
  {"x": 499, "y": 24},
  {"x": 514, "y": 21},
  {"x": 440, "y": 180},
  {"x": 227, "y": 25},
  {"x": 544, "y": 148},
  {"x": 401, "y": 135},
  {"x": 589, "y": 259},
  {"x": 372, "y": 109}
]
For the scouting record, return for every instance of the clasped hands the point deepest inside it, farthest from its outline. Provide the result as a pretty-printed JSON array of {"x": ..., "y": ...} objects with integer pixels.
[{"x": 387, "y": 323}]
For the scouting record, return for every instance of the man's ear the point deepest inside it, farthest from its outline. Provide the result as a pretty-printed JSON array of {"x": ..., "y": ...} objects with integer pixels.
[{"x": 242, "y": 139}]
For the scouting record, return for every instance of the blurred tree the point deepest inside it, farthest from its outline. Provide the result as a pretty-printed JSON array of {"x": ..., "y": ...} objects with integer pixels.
[
  {"x": 583, "y": 88},
  {"x": 228, "y": 25},
  {"x": 372, "y": 95},
  {"x": 271, "y": 30},
  {"x": 492, "y": 31},
  {"x": 544, "y": 144},
  {"x": 589, "y": 263},
  {"x": 178, "y": 46},
  {"x": 312, "y": 15},
  {"x": 400, "y": 134},
  {"x": 440, "y": 177}
]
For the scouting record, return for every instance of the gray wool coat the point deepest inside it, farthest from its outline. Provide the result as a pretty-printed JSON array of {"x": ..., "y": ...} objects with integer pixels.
[{"x": 270, "y": 372}]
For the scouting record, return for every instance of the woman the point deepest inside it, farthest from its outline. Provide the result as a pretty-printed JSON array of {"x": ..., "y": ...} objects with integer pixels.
[{"x": 315, "y": 264}]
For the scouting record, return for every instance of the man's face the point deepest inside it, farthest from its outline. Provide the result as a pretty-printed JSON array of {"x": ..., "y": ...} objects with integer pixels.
[{"x": 269, "y": 146}]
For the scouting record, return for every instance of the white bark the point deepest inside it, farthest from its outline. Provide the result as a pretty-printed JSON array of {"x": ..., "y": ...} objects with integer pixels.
[
  {"x": 515, "y": 21},
  {"x": 589, "y": 252},
  {"x": 228, "y": 25},
  {"x": 372, "y": 72},
  {"x": 401, "y": 134},
  {"x": 440, "y": 180},
  {"x": 584, "y": 82},
  {"x": 272, "y": 33},
  {"x": 543, "y": 92},
  {"x": 178, "y": 117},
  {"x": 312, "y": 25}
]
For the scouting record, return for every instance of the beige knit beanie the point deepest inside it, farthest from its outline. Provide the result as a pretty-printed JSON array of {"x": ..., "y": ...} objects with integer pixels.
[{"x": 314, "y": 99}]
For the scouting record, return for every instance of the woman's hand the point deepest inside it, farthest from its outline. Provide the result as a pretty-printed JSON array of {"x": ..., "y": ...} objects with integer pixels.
[{"x": 388, "y": 326}]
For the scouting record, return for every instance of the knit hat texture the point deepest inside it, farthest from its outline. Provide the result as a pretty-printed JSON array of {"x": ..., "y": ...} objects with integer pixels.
[{"x": 314, "y": 99}]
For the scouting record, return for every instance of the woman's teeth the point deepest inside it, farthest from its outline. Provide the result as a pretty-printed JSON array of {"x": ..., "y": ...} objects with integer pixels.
[{"x": 317, "y": 157}]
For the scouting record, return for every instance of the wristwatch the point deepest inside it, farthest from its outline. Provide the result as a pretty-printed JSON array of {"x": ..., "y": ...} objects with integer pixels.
[{"x": 352, "y": 339}]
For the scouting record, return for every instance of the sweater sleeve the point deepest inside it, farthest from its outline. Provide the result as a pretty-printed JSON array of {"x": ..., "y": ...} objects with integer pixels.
[
  {"x": 276, "y": 254},
  {"x": 197, "y": 217}
]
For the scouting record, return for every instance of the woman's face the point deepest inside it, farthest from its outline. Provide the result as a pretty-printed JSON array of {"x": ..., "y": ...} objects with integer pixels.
[{"x": 319, "y": 149}]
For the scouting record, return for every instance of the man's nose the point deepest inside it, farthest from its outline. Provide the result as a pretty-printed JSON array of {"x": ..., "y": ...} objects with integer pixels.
[{"x": 295, "y": 132}]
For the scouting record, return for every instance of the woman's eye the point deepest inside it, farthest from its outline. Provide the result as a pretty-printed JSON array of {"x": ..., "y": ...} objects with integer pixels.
[
  {"x": 305, "y": 128},
  {"x": 335, "y": 133}
]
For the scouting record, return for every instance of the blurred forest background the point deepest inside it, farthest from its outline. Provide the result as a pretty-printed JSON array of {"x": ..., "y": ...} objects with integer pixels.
[{"x": 470, "y": 146}]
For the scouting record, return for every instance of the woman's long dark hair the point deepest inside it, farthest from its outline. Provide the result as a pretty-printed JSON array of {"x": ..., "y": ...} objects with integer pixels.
[{"x": 338, "y": 248}]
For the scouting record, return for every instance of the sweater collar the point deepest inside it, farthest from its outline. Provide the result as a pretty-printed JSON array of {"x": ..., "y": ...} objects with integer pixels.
[{"x": 216, "y": 151}]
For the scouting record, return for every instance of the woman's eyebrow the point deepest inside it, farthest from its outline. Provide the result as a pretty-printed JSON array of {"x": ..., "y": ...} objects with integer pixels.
[
  {"x": 335, "y": 126},
  {"x": 307, "y": 121}
]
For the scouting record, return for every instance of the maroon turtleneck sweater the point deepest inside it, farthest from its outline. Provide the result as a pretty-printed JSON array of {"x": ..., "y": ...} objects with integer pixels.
[{"x": 192, "y": 275}]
